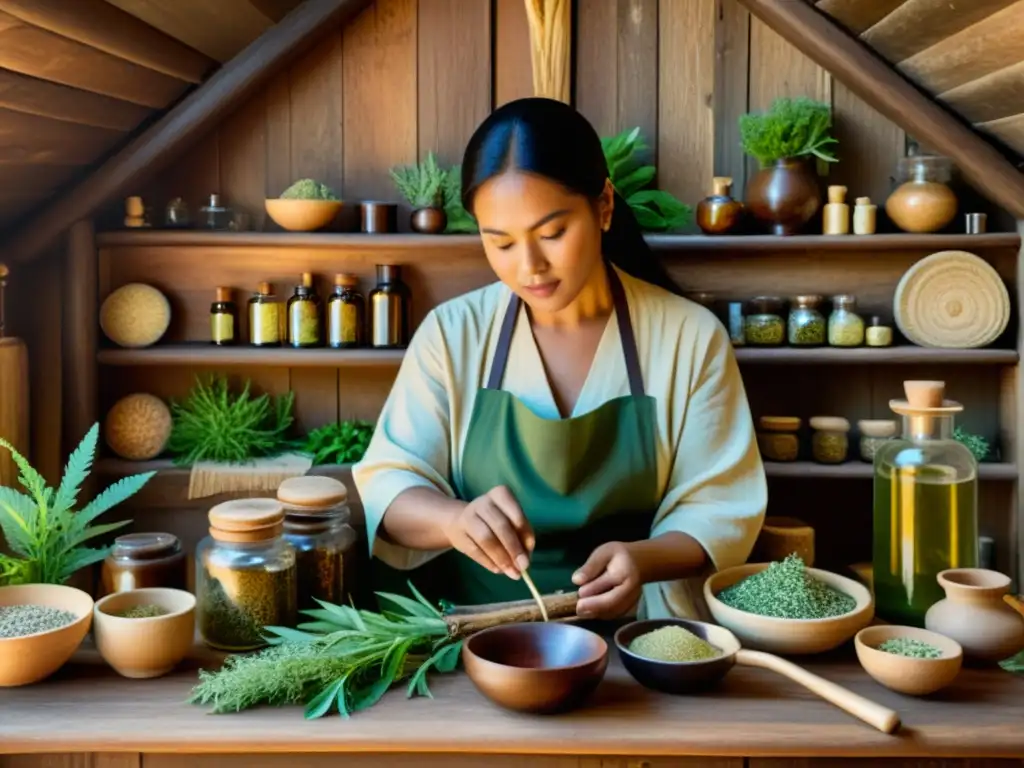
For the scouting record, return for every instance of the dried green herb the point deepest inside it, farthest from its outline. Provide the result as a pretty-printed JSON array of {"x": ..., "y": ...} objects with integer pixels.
[
  {"x": 234, "y": 619},
  {"x": 342, "y": 442},
  {"x": 21, "y": 620},
  {"x": 764, "y": 329},
  {"x": 673, "y": 643},
  {"x": 790, "y": 128},
  {"x": 910, "y": 647},
  {"x": 309, "y": 189},
  {"x": 422, "y": 185},
  {"x": 142, "y": 612},
  {"x": 459, "y": 219},
  {"x": 785, "y": 590}
]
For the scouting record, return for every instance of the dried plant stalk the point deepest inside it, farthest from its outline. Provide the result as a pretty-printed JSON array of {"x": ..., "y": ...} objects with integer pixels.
[{"x": 550, "y": 47}]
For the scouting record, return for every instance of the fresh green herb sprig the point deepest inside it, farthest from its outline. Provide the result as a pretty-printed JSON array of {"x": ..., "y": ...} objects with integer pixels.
[
  {"x": 215, "y": 425},
  {"x": 790, "y": 128},
  {"x": 42, "y": 529},
  {"x": 976, "y": 444},
  {"x": 422, "y": 185},
  {"x": 344, "y": 442},
  {"x": 655, "y": 209},
  {"x": 459, "y": 219}
]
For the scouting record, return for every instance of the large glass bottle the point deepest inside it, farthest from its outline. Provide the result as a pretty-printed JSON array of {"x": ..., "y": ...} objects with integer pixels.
[{"x": 925, "y": 505}]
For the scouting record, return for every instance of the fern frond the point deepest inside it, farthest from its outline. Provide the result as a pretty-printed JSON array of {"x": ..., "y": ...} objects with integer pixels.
[{"x": 17, "y": 521}]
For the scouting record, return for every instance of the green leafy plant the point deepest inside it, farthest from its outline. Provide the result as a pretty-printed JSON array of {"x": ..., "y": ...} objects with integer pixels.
[
  {"x": 41, "y": 527},
  {"x": 459, "y": 219},
  {"x": 790, "y": 128},
  {"x": 655, "y": 209},
  {"x": 309, "y": 189},
  {"x": 215, "y": 425},
  {"x": 343, "y": 442},
  {"x": 422, "y": 185},
  {"x": 976, "y": 444}
]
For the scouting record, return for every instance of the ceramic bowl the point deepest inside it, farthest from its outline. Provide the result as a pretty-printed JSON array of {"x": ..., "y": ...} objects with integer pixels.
[
  {"x": 916, "y": 677},
  {"x": 677, "y": 677},
  {"x": 789, "y": 636},
  {"x": 31, "y": 658},
  {"x": 302, "y": 215},
  {"x": 541, "y": 668},
  {"x": 145, "y": 647}
]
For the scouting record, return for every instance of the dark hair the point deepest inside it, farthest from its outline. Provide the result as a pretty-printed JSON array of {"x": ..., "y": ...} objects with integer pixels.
[{"x": 553, "y": 140}]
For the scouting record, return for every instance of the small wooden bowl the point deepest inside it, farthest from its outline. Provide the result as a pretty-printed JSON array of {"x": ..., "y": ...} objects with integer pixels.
[
  {"x": 542, "y": 668},
  {"x": 677, "y": 677},
  {"x": 789, "y": 636},
  {"x": 31, "y": 658},
  {"x": 145, "y": 647},
  {"x": 916, "y": 677},
  {"x": 302, "y": 215}
]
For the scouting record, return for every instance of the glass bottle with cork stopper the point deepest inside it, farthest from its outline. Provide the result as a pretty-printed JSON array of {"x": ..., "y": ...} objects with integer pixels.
[
  {"x": 143, "y": 560},
  {"x": 304, "y": 315},
  {"x": 264, "y": 317},
  {"x": 925, "y": 505},
  {"x": 316, "y": 524},
  {"x": 346, "y": 314},
  {"x": 245, "y": 575},
  {"x": 389, "y": 308},
  {"x": 223, "y": 319}
]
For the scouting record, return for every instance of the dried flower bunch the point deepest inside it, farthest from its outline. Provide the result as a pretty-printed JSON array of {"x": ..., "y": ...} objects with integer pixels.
[{"x": 790, "y": 128}]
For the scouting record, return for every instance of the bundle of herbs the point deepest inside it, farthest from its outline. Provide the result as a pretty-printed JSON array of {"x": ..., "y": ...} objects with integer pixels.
[
  {"x": 343, "y": 442},
  {"x": 346, "y": 659}
]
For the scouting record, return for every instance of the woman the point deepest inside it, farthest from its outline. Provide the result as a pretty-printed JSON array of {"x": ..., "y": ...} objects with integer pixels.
[{"x": 577, "y": 418}]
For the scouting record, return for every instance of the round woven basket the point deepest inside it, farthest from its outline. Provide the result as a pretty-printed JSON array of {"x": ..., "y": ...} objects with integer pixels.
[{"x": 951, "y": 299}]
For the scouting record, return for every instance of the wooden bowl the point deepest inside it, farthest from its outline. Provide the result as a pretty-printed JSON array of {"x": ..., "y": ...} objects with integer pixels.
[
  {"x": 789, "y": 636},
  {"x": 540, "y": 668},
  {"x": 302, "y": 215},
  {"x": 145, "y": 647},
  {"x": 916, "y": 677},
  {"x": 31, "y": 658},
  {"x": 677, "y": 677}
]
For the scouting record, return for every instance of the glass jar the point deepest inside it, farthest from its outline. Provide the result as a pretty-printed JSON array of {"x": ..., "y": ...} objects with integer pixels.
[
  {"x": 878, "y": 334},
  {"x": 245, "y": 575},
  {"x": 925, "y": 505},
  {"x": 806, "y": 323},
  {"x": 830, "y": 443},
  {"x": 764, "y": 325},
  {"x": 304, "y": 315},
  {"x": 777, "y": 437},
  {"x": 923, "y": 201},
  {"x": 142, "y": 560},
  {"x": 873, "y": 433},
  {"x": 845, "y": 326},
  {"x": 215, "y": 215},
  {"x": 737, "y": 330},
  {"x": 265, "y": 317},
  {"x": 346, "y": 311}
]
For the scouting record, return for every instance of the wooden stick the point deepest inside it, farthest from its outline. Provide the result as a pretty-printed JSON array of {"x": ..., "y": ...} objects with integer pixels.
[
  {"x": 536, "y": 595},
  {"x": 465, "y": 623}
]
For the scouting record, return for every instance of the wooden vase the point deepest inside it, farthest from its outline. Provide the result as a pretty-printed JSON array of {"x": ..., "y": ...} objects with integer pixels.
[
  {"x": 785, "y": 195},
  {"x": 921, "y": 206}
]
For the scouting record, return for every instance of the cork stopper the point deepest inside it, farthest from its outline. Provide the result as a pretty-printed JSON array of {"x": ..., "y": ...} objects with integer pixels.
[
  {"x": 266, "y": 289},
  {"x": 312, "y": 492},
  {"x": 863, "y": 201},
  {"x": 925, "y": 399},
  {"x": 721, "y": 185},
  {"x": 343, "y": 280},
  {"x": 246, "y": 520},
  {"x": 836, "y": 194},
  {"x": 307, "y": 279},
  {"x": 223, "y": 294},
  {"x": 924, "y": 394}
]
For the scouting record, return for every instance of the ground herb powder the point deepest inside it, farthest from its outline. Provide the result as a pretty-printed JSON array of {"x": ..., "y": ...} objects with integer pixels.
[
  {"x": 785, "y": 590},
  {"x": 21, "y": 620},
  {"x": 142, "y": 612},
  {"x": 908, "y": 646},
  {"x": 673, "y": 643},
  {"x": 236, "y": 605}
]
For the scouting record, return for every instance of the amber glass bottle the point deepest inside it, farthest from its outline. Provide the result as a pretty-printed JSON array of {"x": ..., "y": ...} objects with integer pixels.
[
  {"x": 223, "y": 319},
  {"x": 304, "y": 315},
  {"x": 389, "y": 308},
  {"x": 346, "y": 313},
  {"x": 264, "y": 318}
]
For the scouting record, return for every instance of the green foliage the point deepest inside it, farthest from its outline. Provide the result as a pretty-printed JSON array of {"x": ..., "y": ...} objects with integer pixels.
[
  {"x": 43, "y": 529},
  {"x": 422, "y": 185},
  {"x": 344, "y": 660},
  {"x": 309, "y": 189},
  {"x": 655, "y": 210},
  {"x": 459, "y": 219},
  {"x": 343, "y": 442},
  {"x": 976, "y": 444},
  {"x": 215, "y": 425},
  {"x": 790, "y": 128}
]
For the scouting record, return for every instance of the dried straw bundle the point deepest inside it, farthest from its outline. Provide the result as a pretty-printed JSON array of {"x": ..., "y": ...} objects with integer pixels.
[{"x": 550, "y": 45}]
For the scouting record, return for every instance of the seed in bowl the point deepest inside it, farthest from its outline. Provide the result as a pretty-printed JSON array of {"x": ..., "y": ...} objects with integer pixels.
[
  {"x": 908, "y": 646},
  {"x": 21, "y": 620},
  {"x": 141, "y": 612},
  {"x": 784, "y": 590},
  {"x": 673, "y": 643}
]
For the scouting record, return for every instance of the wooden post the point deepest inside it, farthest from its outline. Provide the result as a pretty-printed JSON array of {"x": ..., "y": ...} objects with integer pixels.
[{"x": 79, "y": 337}]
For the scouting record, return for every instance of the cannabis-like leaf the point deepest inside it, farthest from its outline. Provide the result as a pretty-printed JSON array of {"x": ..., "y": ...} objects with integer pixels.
[
  {"x": 421, "y": 185},
  {"x": 790, "y": 128},
  {"x": 655, "y": 209}
]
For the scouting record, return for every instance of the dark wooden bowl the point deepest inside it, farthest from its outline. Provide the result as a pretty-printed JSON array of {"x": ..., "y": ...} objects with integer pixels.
[
  {"x": 541, "y": 668},
  {"x": 677, "y": 677}
]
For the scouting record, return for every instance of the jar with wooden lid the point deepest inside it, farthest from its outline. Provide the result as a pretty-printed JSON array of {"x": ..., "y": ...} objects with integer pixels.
[
  {"x": 317, "y": 526},
  {"x": 764, "y": 324},
  {"x": 806, "y": 327},
  {"x": 346, "y": 314},
  {"x": 245, "y": 575},
  {"x": 873, "y": 434},
  {"x": 143, "y": 560},
  {"x": 777, "y": 437},
  {"x": 265, "y": 317},
  {"x": 830, "y": 442}
]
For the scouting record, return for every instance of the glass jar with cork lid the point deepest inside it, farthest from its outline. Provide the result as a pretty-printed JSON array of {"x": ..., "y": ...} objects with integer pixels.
[
  {"x": 143, "y": 560},
  {"x": 317, "y": 526},
  {"x": 245, "y": 575},
  {"x": 830, "y": 442},
  {"x": 346, "y": 312}
]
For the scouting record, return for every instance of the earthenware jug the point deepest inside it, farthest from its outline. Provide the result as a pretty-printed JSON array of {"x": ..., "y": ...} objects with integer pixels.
[
  {"x": 785, "y": 195},
  {"x": 974, "y": 614}
]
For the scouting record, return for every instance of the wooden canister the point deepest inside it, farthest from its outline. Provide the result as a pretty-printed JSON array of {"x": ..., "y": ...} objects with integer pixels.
[{"x": 13, "y": 405}]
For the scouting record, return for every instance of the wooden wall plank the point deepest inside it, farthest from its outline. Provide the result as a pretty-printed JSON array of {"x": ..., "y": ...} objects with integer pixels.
[
  {"x": 513, "y": 69},
  {"x": 435, "y": 761},
  {"x": 454, "y": 74},
  {"x": 24, "y": 185},
  {"x": 858, "y": 15},
  {"x": 316, "y": 397},
  {"x": 242, "y": 153},
  {"x": 991, "y": 97},
  {"x": 732, "y": 73},
  {"x": 596, "y": 63},
  {"x": 277, "y": 98},
  {"x": 26, "y": 138},
  {"x": 1007, "y": 129},
  {"x": 80, "y": 333},
  {"x": 78, "y": 760},
  {"x": 316, "y": 148}
]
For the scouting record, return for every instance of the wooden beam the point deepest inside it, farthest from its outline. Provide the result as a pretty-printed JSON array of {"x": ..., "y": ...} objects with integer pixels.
[
  {"x": 873, "y": 80},
  {"x": 79, "y": 333},
  {"x": 858, "y": 15},
  {"x": 185, "y": 123},
  {"x": 99, "y": 24},
  {"x": 22, "y": 93}
]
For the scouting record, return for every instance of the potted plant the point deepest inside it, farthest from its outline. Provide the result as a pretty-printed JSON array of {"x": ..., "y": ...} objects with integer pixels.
[
  {"x": 306, "y": 206},
  {"x": 785, "y": 140},
  {"x": 422, "y": 185}
]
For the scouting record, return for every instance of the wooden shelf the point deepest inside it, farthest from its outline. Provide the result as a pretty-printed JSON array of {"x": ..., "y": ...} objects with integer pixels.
[
  {"x": 856, "y": 469},
  {"x": 904, "y": 354},
  {"x": 672, "y": 243}
]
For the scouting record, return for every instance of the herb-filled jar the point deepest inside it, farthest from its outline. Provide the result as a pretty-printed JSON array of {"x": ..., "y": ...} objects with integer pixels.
[
  {"x": 316, "y": 525},
  {"x": 764, "y": 324},
  {"x": 878, "y": 334},
  {"x": 304, "y": 315},
  {"x": 223, "y": 319},
  {"x": 143, "y": 560},
  {"x": 389, "y": 308},
  {"x": 806, "y": 323},
  {"x": 777, "y": 437},
  {"x": 245, "y": 575},
  {"x": 265, "y": 318},
  {"x": 346, "y": 314},
  {"x": 873, "y": 434},
  {"x": 830, "y": 442},
  {"x": 845, "y": 326}
]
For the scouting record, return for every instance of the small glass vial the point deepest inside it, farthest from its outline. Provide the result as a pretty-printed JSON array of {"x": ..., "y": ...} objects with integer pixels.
[
  {"x": 245, "y": 575},
  {"x": 214, "y": 215},
  {"x": 878, "y": 334},
  {"x": 142, "y": 560},
  {"x": 830, "y": 442},
  {"x": 737, "y": 330},
  {"x": 223, "y": 319},
  {"x": 389, "y": 308},
  {"x": 316, "y": 525},
  {"x": 777, "y": 437},
  {"x": 764, "y": 325},
  {"x": 264, "y": 318},
  {"x": 346, "y": 314},
  {"x": 807, "y": 327},
  {"x": 845, "y": 326},
  {"x": 304, "y": 315}
]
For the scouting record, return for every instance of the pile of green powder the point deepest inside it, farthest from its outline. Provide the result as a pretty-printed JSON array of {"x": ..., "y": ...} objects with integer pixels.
[
  {"x": 908, "y": 646},
  {"x": 21, "y": 620},
  {"x": 673, "y": 643},
  {"x": 784, "y": 590},
  {"x": 142, "y": 612}
]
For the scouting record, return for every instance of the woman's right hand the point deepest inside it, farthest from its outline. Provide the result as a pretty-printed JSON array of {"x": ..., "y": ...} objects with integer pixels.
[{"x": 493, "y": 531}]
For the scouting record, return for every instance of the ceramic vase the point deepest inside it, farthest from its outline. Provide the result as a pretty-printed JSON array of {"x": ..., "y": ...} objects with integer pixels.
[
  {"x": 429, "y": 221},
  {"x": 785, "y": 195},
  {"x": 719, "y": 213},
  {"x": 974, "y": 614}
]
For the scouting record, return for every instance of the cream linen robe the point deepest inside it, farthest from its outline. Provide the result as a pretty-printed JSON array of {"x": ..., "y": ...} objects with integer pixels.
[{"x": 710, "y": 477}]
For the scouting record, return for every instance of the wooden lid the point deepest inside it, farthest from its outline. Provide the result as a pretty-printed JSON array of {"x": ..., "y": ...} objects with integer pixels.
[
  {"x": 223, "y": 294},
  {"x": 312, "y": 491},
  {"x": 246, "y": 519},
  {"x": 345, "y": 280},
  {"x": 779, "y": 423},
  {"x": 877, "y": 427},
  {"x": 830, "y": 423},
  {"x": 925, "y": 397}
]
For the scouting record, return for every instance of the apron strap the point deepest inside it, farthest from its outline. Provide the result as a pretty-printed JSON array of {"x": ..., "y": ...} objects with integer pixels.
[{"x": 626, "y": 337}]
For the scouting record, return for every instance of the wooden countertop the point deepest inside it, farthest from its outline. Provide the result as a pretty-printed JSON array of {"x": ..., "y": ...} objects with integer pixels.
[{"x": 88, "y": 708}]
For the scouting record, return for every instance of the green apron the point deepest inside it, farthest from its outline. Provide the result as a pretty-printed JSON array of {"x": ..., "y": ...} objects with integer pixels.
[{"x": 580, "y": 481}]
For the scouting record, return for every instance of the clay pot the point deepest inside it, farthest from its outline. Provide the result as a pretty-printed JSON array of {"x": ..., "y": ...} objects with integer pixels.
[
  {"x": 973, "y": 613},
  {"x": 785, "y": 196},
  {"x": 429, "y": 221},
  {"x": 718, "y": 213}
]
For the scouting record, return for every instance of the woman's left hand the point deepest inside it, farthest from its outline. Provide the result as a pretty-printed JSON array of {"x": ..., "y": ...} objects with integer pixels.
[{"x": 609, "y": 582}]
